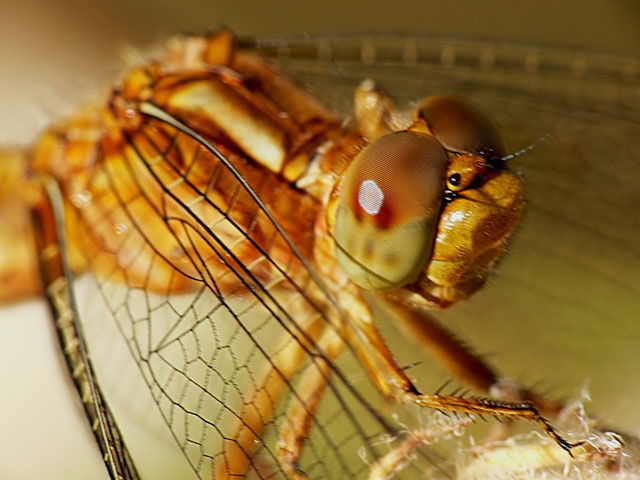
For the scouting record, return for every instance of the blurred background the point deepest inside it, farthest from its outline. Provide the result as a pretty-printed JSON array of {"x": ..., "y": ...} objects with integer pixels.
[{"x": 54, "y": 55}]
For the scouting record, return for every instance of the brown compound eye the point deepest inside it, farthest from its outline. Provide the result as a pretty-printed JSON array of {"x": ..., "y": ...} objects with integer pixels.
[
  {"x": 460, "y": 127},
  {"x": 388, "y": 210}
]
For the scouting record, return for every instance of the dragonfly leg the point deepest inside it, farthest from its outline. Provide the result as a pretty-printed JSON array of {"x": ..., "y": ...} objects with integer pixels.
[
  {"x": 457, "y": 358},
  {"x": 262, "y": 400},
  {"x": 299, "y": 418},
  {"x": 393, "y": 381},
  {"x": 473, "y": 371}
]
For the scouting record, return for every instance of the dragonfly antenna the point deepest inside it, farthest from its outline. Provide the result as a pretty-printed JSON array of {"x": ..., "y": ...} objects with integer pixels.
[{"x": 526, "y": 149}]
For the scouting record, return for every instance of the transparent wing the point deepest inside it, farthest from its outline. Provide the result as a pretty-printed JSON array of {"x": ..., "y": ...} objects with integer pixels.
[{"x": 206, "y": 292}]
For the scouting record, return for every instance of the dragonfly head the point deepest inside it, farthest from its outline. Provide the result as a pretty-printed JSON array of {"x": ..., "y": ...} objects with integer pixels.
[{"x": 429, "y": 208}]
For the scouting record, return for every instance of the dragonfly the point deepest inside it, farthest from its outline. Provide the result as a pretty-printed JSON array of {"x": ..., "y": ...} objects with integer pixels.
[{"x": 243, "y": 334}]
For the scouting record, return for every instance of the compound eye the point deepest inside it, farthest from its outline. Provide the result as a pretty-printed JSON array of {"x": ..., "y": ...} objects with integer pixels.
[
  {"x": 461, "y": 127},
  {"x": 388, "y": 210}
]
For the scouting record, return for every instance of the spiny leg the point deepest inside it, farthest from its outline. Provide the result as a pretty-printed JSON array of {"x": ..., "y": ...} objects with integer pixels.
[
  {"x": 393, "y": 381},
  {"x": 454, "y": 356},
  {"x": 299, "y": 418}
]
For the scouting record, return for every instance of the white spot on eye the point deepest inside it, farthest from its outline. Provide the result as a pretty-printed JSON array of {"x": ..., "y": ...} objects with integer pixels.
[{"x": 370, "y": 197}]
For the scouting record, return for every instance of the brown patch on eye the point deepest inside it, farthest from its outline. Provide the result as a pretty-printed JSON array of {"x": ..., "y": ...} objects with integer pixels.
[
  {"x": 390, "y": 258},
  {"x": 369, "y": 248},
  {"x": 385, "y": 218},
  {"x": 357, "y": 210}
]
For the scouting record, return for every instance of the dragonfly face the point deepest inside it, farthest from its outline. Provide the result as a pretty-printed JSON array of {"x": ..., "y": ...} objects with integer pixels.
[{"x": 429, "y": 208}]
